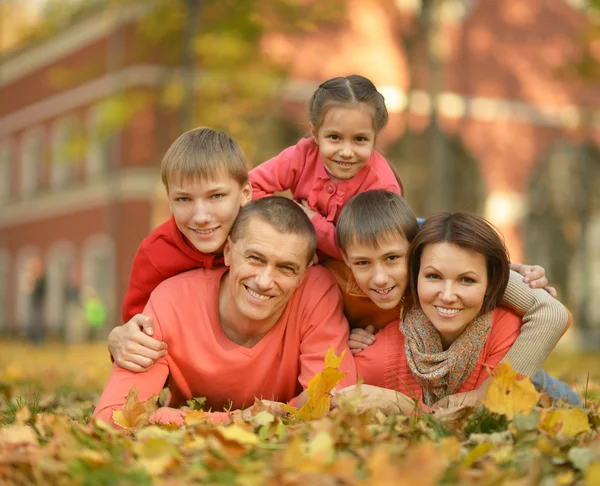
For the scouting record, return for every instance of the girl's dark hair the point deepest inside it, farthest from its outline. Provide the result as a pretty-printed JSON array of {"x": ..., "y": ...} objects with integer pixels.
[
  {"x": 347, "y": 90},
  {"x": 470, "y": 232},
  {"x": 350, "y": 90}
]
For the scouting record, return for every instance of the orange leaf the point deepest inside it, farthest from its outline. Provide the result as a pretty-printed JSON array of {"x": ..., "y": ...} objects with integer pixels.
[{"x": 134, "y": 413}]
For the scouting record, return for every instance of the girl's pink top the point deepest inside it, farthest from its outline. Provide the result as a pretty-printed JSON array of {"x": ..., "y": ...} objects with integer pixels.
[
  {"x": 203, "y": 362},
  {"x": 384, "y": 364},
  {"x": 300, "y": 169}
]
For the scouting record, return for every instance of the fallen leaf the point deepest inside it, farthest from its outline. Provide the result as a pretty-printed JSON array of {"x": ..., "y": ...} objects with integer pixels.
[
  {"x": 508, "y": 394},
  {"x": 565, "y": 422},
  {"x": 134, "y": 413},
  {"x": 319, "y": 388}
]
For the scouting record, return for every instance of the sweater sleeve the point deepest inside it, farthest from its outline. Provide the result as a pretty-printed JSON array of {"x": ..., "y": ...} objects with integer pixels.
[
  {"x": 324, "y": 326},
  {"x": 326, "y": 238},
  {"x": 148, "y": 383},
  {"x": 507, "y": 326},
  {"x": 276, "y": 174},
  {"x": 545, "y": 320},
  {"x": 144, "y": 278}
]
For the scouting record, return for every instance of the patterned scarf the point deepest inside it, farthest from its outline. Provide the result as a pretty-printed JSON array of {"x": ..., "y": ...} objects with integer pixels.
[{"x": 438, "y": 372}]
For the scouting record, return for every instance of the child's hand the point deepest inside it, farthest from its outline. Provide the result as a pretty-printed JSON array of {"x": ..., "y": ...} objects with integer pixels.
[
  {"x": 304, "y": 206},
  {"x": 134, "y": 349},
  {"x": 361, "y": 339},
  {"x": 535, "y": 276}
]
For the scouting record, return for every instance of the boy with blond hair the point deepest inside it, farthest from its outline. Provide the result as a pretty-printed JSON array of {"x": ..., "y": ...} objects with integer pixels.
[{"x": 205, "y": 173}]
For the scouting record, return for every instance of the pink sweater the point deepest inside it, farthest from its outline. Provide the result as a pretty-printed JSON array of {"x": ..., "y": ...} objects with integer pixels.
[
  {"x": 203, "y": 362},
  {"x": 300, "y": 169},
  {"x": 384, "y": 364}
]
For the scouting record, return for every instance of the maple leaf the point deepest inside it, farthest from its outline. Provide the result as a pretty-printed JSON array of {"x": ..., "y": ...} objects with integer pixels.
[
  {"x": 134, "y": 413},
  {"x": 565, "y": 422},
  {"x": 319, "y": 388},
  {"x": 509, "y": 394}
]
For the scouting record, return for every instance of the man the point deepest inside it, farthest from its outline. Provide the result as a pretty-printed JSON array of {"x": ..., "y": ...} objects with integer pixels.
[{"x": 260, "y": 327}]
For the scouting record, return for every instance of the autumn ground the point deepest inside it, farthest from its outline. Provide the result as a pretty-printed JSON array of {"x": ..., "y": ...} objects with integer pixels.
[{"x": 47, "y": 437}]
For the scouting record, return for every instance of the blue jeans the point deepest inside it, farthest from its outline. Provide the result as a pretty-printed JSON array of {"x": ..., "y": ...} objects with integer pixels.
[{"x": 556, "y": 388}]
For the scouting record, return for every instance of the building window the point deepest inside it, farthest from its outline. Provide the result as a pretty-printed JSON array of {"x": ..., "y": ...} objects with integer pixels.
[
  {"x": 62, "y": 288},
  {"x": 31, "y": 163},
  {"x": 4, "y": 271},
  {"x": 30, "y": 292},
  {"x": 99, "y": 277},
  {"x": 5, "y": 164},
  {"x": 99, "y": 143},
  {"x": 66, "y": 151}
]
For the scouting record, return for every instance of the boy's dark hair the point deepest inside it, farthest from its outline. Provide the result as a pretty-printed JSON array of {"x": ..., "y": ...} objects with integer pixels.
[
  {"x": 470, "y": 232},
  {"x": 282, "y": 214},
  {"x": 372, "y": 215},
  {"x": 201, "y": 154}
]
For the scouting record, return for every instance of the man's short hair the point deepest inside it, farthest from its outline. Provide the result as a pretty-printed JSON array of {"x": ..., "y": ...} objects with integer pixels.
[
  {"x": 371, "y": 216},
  {"x": 282, "y": 214},
  {"x": 201, "y": 154}
]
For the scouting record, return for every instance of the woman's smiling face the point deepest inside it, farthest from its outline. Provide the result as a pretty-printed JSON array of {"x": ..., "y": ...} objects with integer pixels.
[{"x": 452, "y": 284}]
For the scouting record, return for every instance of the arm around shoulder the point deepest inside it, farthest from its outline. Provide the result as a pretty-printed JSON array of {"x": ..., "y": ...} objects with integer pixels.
[{"x": 545, "y": 320}]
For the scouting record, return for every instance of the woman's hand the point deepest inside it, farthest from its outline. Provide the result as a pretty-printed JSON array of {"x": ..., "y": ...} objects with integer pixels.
[
  {"x": 132, "y": 347},
  {"x": 535, "y": 276},
  {"x": 388, "y": 401},
  {"x": 361, "y": 339}
]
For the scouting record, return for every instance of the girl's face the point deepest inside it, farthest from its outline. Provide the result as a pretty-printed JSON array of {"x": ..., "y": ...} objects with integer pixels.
[
  {"x": 382, "y": 272},
  {"x": 452, "y": 284},
  {"x": 346, "y": 139}
]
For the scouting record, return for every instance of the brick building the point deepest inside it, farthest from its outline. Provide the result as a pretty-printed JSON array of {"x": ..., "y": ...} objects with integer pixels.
[{"x": 515, "y": 135}]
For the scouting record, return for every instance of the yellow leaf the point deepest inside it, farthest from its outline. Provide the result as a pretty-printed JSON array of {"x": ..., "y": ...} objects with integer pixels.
[
  {"x": 592, "y": 474},
  {"x": 565, "y": 422},
  {"x": 312, "y": 456},
  {"x": 508, "y": 395},
  {"x": 319, "y": 387},
  {"x": 239, "y": 435},
  {"x": 134, "y": 413}
]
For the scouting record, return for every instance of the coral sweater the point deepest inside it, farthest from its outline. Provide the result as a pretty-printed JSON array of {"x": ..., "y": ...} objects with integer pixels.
[
  {"x": 301, "y": 170},
  {"x": 384, "y": 364},
  {"x": 163, "y": 254},
  {"x": 203, "y": 362}
]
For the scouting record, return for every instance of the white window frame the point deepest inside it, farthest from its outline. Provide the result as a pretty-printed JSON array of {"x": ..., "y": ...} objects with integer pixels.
[{"x": 32, "y": 158}]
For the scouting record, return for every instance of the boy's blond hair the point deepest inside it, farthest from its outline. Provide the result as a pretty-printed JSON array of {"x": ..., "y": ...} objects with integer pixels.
[{"x": 203, "y": 153}]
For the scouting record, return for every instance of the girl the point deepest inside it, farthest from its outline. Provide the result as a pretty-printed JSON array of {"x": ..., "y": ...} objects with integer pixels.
[
  {"x": 338, "y": 161},
  {"x": 374, "y": 231}
]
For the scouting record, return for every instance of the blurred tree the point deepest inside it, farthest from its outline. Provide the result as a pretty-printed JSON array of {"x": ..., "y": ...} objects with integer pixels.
[{"x": 221, "y": 71}]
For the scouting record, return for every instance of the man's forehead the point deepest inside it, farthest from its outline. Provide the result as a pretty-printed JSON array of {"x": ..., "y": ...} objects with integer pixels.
[{"x": 272, "y": 244}]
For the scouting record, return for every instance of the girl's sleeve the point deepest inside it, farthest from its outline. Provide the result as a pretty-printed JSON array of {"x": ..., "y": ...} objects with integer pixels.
[
  {"x": 277, "y": 174},
  {"x": 545, "y": 320},
  {"x": 326, "y": 239}
]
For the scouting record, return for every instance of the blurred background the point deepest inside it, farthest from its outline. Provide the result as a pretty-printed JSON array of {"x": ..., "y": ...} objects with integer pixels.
[{"x": 494, "y": 108}]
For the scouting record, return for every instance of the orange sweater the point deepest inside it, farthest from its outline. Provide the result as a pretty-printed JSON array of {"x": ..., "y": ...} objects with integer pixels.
[
  {"x": 384, "y": 364},
  {"x": 203, "y": 362}
]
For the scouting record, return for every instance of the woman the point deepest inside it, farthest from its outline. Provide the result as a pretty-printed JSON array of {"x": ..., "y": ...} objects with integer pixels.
[{"x": 374, "y": 232}]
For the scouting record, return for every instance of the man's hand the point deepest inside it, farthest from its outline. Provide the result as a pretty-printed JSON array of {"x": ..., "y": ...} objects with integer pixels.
[
  {"x": 132, "y": 347},
  {"x": 535, "y": 276},
  {"x": 361, "y": 339}
]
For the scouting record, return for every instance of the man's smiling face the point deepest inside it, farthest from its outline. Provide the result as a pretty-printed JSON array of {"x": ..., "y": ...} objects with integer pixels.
[{"x": 265, "y": 268}]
